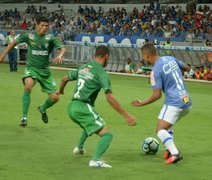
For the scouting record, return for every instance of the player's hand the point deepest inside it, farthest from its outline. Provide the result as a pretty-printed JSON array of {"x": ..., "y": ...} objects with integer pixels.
[
  {"x": 58, "y": 60},
  {"x": 131, "y": 120},
  {"x": 136, "y": 103}
]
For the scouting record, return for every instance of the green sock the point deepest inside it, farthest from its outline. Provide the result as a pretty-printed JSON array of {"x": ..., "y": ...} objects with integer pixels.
[
  {"x": 83, "y": 137},
  {"x": 102, "y": 145},
  {"x": 25, "y": 103},
  {"x": 48, "y": 103}
]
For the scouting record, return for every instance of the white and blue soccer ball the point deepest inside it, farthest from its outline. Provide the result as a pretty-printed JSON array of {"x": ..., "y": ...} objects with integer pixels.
[{"x": 150, "y": 145}]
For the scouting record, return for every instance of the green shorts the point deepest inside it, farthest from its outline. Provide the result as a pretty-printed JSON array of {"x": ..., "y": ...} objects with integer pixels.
[
  {"x": 85, "y": 115},
  {"x": 43, "y": 77}
]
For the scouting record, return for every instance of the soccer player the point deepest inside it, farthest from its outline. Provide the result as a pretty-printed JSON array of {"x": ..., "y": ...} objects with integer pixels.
[
  {"x": 90, "y": 79},
  {"x": 166, "y": 76},
  {"x": 40, "y": 45}
]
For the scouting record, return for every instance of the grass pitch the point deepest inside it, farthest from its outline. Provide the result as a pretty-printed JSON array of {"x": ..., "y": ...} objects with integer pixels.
[{"x": 44, "y": 152}]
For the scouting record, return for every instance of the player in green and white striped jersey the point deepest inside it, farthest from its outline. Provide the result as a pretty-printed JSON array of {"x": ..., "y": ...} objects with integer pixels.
[
  {"x": 90, "y": 79},
  {"x": 39, "y": 47}
]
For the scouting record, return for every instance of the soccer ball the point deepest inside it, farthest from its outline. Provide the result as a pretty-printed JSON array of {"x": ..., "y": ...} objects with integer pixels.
[{"x": 150, "y": 145}]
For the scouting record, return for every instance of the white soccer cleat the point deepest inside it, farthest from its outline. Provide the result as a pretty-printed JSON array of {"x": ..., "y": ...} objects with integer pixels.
[
  {"x": 78, "y": 151},
  {"x": 99, "y": 164}
]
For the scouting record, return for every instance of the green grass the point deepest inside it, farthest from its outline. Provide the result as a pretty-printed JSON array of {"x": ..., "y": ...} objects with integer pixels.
[{"x": 44, "y": 152}]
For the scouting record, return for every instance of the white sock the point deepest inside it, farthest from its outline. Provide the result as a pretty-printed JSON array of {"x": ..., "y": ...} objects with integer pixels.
[{"x": 167, "y": 140}]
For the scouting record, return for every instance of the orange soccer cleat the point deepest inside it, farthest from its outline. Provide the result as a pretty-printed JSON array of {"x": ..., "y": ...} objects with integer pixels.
[{"x": 174, "y": 159}]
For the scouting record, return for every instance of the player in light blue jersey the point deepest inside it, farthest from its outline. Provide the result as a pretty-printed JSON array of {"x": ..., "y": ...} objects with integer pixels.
[{"x": 167, "y": 76}]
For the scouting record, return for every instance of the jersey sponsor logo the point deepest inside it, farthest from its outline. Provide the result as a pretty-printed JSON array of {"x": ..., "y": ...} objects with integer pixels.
[
  {"x": 85, "y": 70},
  {"x": 85, "y": 73},
  {"x": 31, "y": 36},
  {"x": 185, "y": 99},
  {"x": 42, "y": 53},
  {"x": 170, "y": 67},
  {"x": 47, "y": 37}
]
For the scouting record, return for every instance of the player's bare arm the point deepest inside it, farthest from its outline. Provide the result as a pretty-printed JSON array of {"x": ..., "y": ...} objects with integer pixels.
[
  {"x": 131, "y": 120},
  {"x": 8, "y": 48},
  {"x": 59, "y": 58},
  {"x": 155, "y": 96},
  {"x": 63, "y": 84}
]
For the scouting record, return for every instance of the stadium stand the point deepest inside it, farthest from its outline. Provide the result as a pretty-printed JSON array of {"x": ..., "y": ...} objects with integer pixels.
[{"x": 184, "y": 24}]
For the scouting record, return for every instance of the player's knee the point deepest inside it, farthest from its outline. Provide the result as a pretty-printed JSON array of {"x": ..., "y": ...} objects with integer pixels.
[
  {"x": 55, "y": 97},
  {"x": 28, "y": 88}
]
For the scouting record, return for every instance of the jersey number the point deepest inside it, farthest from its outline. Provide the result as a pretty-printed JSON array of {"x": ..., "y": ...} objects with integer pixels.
[
  {"x": 180, "y": 85},
  {"x": 178, "y": 81},
  {"x": 80, "y": 85}
]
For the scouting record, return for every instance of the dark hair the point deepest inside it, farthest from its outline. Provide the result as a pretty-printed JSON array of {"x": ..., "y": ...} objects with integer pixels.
[
  {"x": 149, "y": 48},
  {"x": 42, "y": 19},
  {"x": 101, "y": 51}
]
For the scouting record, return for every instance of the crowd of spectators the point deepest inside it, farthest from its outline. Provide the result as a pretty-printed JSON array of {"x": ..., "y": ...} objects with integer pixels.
[{"x": 153, "y": 20}]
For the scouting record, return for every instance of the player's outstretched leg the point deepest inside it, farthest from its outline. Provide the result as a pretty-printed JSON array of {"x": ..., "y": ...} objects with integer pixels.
[
  {"x": 167, "y": 140},
  {"x": 101, "y": 148}
]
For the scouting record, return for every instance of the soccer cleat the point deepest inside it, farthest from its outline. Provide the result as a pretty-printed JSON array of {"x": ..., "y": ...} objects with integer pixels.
[
  {"x": 23, "y": 122},
  {"x": 78, "y": 151},
  {"x": 44, "y": 116},
  {"x": 99, "y": 164},
  {"x": 167, "y": 154},
  {"x": 174, "y": 159}
]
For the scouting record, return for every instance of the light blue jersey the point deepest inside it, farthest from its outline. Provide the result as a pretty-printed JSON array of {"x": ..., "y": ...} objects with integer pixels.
[{"x": 167, "y": 76}]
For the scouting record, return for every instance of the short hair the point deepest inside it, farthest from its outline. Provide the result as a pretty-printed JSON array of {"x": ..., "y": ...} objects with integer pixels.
[
  {"x": 42, "y": 19},
  {"x": 101, "y": 51},
  {"x": 149, "y": 48}
]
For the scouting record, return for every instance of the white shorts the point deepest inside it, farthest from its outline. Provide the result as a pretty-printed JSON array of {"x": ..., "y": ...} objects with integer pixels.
[{"x": 172, "y": 114}]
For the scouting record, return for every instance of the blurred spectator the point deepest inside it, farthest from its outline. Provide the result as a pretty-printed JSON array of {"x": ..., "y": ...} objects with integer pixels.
[
  {"x": 207, "y": 56},
  {"x": 168, "y": 44},
  {"x": 141, "y": 68},
  {"x": 24, "y": 25},
  {"x": 202, "y": 72},
  {"x": 208, "y": 74},
  {"x": 129, "y": 66},
  {"x": 191, "y": 6},
  {"x": 12, "y": 55},
  {"x": 189, "y": 36},
  {"x": 80, "y": 10},
  {"x": 197, "y": 73},
  {"x": 190, "y": 74}
]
